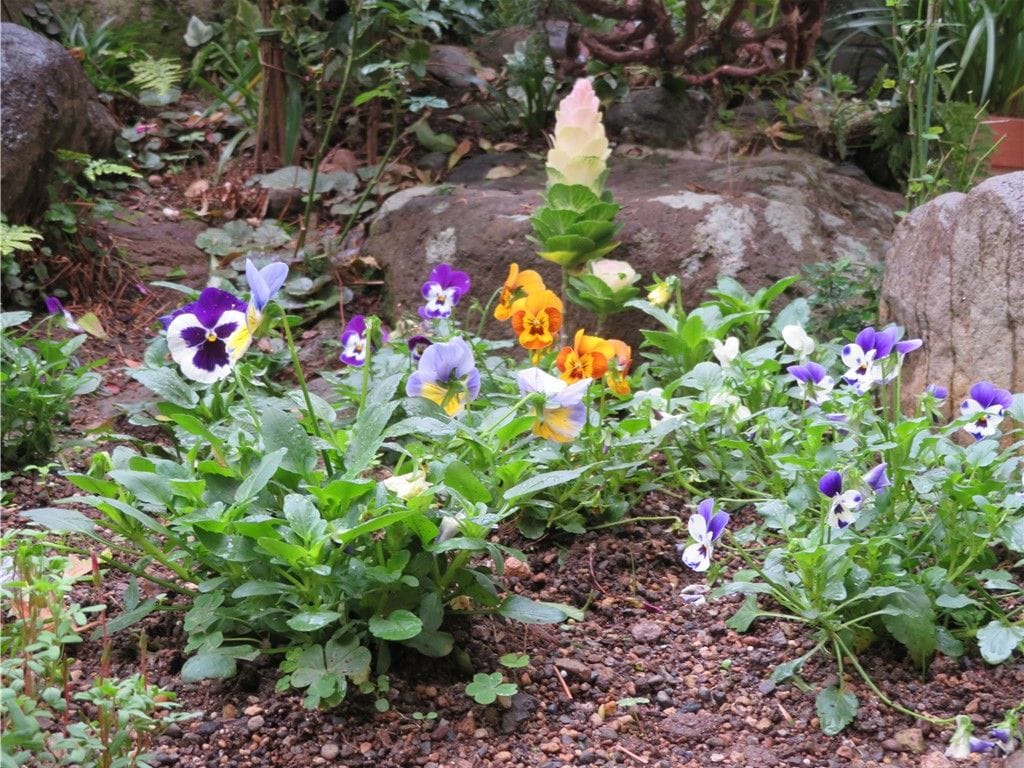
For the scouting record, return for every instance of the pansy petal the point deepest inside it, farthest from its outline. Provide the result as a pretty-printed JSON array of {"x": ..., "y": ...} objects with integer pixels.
[
  {"x": 831, "y": 483},
  {"x": 697, "y": 557},
  {"x": 877, "y": 478},
  {"x": 697, "y": 525},
  {"x": 885, "y": 341},
  {"x": 706, "y": 509},
  {"x": 853, "y": 355},
  {"x": 866, "y": 338},
  {"x": 908, "y": 346},
  {"x": 718, "y": 524}
]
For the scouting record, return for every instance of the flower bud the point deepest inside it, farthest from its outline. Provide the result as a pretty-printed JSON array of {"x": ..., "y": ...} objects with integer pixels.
[{"x": 580, "y": 150}]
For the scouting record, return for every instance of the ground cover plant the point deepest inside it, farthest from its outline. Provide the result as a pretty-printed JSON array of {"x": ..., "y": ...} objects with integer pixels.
[{"x": 334, "y": 533}]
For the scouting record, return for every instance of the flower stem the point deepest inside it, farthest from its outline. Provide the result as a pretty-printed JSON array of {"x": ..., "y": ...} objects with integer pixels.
[
  {"x": 301, "y": 378},
  {"x": 885, "y": 699}
]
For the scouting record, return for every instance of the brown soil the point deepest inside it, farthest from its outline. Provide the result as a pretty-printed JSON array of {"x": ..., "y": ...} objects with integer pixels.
[{"x": 700, "y": 691}]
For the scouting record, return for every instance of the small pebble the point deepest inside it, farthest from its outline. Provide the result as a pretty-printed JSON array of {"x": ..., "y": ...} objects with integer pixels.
[
  {"x": 329, "y": 751},
  {"x": 255, "y": 723}
]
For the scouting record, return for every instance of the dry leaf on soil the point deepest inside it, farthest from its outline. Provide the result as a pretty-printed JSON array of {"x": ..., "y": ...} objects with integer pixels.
[{"x": 504, "y": 172}]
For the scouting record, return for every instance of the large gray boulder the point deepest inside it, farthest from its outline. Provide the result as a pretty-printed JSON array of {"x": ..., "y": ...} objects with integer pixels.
[
  {"x": 756, "y": 219},
  {"x": 47, "y": 103},
  {"x": 955, "y": 278}
]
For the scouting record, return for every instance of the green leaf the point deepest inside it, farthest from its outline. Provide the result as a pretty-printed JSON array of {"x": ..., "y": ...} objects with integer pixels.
[
  {"x": 198, "y": 32},
  {"x": 92, "y": 325},
  {"x": 125, "y": 620},
  {"x": 997, "y": 641},
  {"x": 310, "y": 621},
  {"x": 914, "y": 622},
  {"x": 575, "y": 197},
  {"x": 1012, "y": 534},
  {"x": 485, "y": 689},
  {"x": 569, "y": 244},
  {"x": 745, "y": 615},
  {"x": 257, "y": 480},
  {"x": 596, "y": 231},
  {"x": 787, "y": 669},
  {"x": 433, "y": 142},
  {"x": 461, "y": 479},
  {"x": 60, "y": 520},
  {"x": 549, "y": 222},
  {"x": 167, "y": 384},
  {"x": 289, "y": 553},
  {"x": 432, "y": 643},
  {"x": 367, "y": 436},
  {"x": 261, "y": 589},
  {"x": 836, "y": 709},
  {"x": 519, "y": 608},
  {"x": 544, "y": 480},
  {"x": 399, "y": 625},
  {"x": 705, "y": 377},
  {"x": 282, "y": 431},
  {"x": 203, "y": 666},
  {"x": 350, "y": 659},
  {"x": 147, "y": 487},
  {"x": 304, "y": 518},
  {"x": 515, "y": 660},
  {"x": 11, "y": 319},
  {"x": 346, "y": 536}
]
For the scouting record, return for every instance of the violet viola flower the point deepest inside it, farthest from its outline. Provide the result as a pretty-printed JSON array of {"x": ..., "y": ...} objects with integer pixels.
[
  {"x": 845, "y": 505},
  {"x": 266, "y": 282},
  {"x": 447, "y": 375},
  {"x": 705, "y": 527},
  {"x": 862, "y": 356},
  {"x": 202, "y": 337},
  {"x": 417, "y": 346},
  {"x": 354, "y": 342},
  {"x": 54, "y": 307},
  {"x": 814, "y": 383},
  {"x": 985, "y": 408},
  {"x": 559, "y": 409},
  {"x": 937, "y": 391},
  {"x": 876, "y": 477},
  {"x": 443, "y": 289}
]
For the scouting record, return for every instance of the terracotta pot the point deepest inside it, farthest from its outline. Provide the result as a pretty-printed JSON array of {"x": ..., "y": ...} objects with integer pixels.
[{"x": 1009, "y": 154}]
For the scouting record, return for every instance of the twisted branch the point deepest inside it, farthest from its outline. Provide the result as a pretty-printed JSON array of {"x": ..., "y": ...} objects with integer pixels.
[{"x": 645, "y": 35}]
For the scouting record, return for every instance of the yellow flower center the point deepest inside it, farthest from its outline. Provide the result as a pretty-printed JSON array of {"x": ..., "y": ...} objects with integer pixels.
[{"x": 211, "y": 336}]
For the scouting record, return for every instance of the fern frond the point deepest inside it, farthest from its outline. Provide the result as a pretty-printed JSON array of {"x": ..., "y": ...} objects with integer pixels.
[
  {"x": 16, "y": 237},
  {"x": 158, "y": 75},
  {"x": 96, "y": 167}
]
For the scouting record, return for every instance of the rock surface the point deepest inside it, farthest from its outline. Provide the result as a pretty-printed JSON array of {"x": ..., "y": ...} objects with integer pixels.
[
  {"x": 955, "y": 277},
  {"x": 47, "y": 103},
  {"x": 757, "y": 219},
  {"x": 658, "y": 118}
]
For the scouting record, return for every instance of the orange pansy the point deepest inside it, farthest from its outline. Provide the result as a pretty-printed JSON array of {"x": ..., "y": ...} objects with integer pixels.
[
  {"x": 517, "y": 284},
  {"x": 537, "y": 318},
  {"x": 616, "y": 376},
  {"x": 586, "y": 359}
]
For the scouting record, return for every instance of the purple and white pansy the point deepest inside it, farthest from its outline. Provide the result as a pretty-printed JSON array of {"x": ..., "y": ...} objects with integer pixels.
[
  {"x": 876, "y": 477},
  {"x": 815, "y": 384},
  {"x": 417, "y": 346},
  {"x": 263, "y": 284},
  {"x": 54, "y": 307},
  {"x": 209, "y": 335},
  {"x": 354, "y": 342},
  {"x": 845, "y": 504},
  {"x": 706, "y": 527},
  {"x": 204, "y": 336},
  {"x": 864, "y": 357},
  {"x": 442, "y": 290},
  {"x": 984, "y": 409}
]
